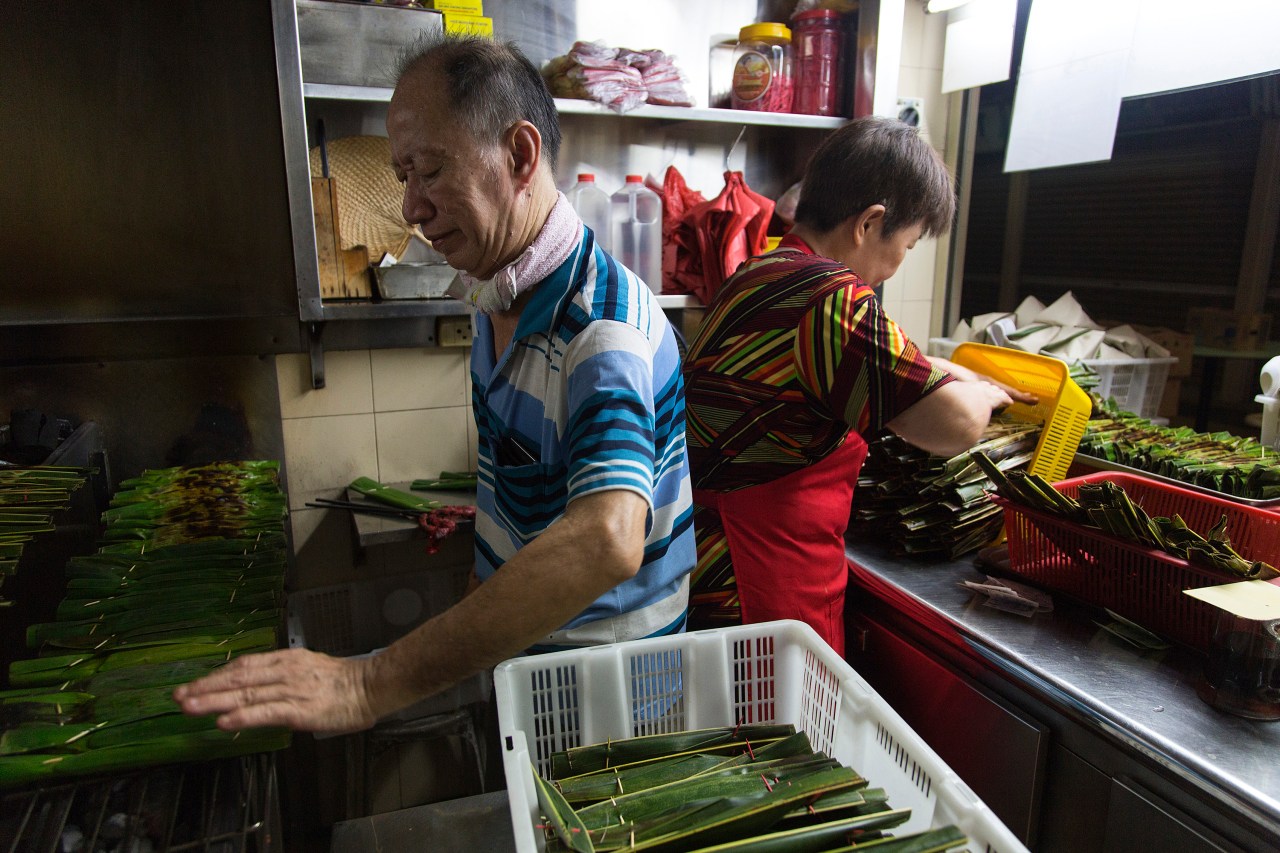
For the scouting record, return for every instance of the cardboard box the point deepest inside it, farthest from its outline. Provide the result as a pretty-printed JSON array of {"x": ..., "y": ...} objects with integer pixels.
[
  {"x": 1169, "y": 400},
  {"x": 1221, "y": 328},
  {"x": 691, "y": 321},
  {"x": 1179, "y": 345},
  {"x": 462, "y": 7},
  {"x": 473, "y": 25}
]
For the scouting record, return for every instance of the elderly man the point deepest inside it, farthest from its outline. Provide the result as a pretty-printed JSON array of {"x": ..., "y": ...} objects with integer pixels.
[{"x": 583, "y": 527}]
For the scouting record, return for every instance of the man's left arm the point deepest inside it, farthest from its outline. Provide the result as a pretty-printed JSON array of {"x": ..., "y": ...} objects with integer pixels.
[{"x": 597, "y": 544}]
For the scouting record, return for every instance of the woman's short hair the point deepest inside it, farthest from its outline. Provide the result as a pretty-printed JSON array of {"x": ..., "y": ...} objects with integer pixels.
[
  {"x": 490, "y": 85},
  {"x": 877, "y": 160}
]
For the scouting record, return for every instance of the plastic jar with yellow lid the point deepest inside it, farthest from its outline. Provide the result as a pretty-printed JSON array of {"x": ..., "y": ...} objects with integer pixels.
[{"x": 762, "y": 69}]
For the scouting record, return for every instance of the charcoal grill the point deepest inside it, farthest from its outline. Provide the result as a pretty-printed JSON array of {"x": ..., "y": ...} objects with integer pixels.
[{"x": 227, "y": 806}]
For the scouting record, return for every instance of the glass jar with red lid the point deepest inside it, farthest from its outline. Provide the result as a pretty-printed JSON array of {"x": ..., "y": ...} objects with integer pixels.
[{"x": 818, "y": 36}]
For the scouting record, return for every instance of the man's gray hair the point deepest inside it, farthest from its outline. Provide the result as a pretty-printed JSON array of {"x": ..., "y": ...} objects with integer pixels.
[{"x": 490, "y": 86}]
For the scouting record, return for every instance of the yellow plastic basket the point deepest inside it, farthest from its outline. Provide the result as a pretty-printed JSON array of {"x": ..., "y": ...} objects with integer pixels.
[{"x": 1062, "y": 407}]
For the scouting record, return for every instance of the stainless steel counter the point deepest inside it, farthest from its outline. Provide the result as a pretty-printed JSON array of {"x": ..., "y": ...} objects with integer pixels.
[
  {"x": 479, "y": 824},
  {"x": 1144, "y": 701}
]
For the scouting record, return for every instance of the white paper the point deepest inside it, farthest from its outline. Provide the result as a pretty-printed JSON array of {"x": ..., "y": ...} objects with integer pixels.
[
  {"x": 1073, "y": 343},
  {"x": 1153, "y": 349},
  {"x": 1257, "y": 600},
  {"x": 980, "y": 322},
  {"x": 1066, "y": 311},
  {"x": 1035, "y": 341},
  {"x": 998, "y": 332},
  {"x": 1029, "y": 329},
  {"x": 979, "y": 44},
  {"x": 1074, "y": 61},
  {"x": 1127, "y": 339},
  {"x": 1027, "y": 310},
  {"x": 1228, "y": 39}
]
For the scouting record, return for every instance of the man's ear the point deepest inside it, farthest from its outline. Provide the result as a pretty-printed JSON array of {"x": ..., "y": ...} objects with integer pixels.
[
  {"x": 868, "y": 223},
  {"x": 524, "y": 147}
]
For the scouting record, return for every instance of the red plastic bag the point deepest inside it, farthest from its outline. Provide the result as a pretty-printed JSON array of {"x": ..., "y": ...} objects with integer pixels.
[
  {"x": 728, "y": 229},
  {"x": 681, "y": 263}
]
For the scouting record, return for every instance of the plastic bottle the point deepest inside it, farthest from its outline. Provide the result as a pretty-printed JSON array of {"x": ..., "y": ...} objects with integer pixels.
[
  {"x": 637, "y": 230},
  {"x": 762, "y": 69},
  {"x": 818, "y": 41},
  {"x": 592, "y": 206},
  {"x": 720, "y": 71}
]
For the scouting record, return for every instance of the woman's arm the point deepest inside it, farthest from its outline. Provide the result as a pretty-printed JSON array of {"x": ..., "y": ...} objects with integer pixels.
[{"x": 950, "y": 419}]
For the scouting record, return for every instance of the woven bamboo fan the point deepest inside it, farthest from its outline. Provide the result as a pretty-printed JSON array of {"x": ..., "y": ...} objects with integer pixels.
[{"x": 369, "y": 196}]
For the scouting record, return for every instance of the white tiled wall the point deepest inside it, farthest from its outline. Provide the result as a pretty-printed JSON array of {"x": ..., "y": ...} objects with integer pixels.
[
  {"x": 393, "y": 415},
  {"x": 909, "y": 295}
]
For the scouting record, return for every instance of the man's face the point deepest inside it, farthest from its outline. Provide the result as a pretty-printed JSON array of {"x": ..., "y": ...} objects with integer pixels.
[
  {"x": 454, "y": 187},
  {"x": 879, "y": 257}
]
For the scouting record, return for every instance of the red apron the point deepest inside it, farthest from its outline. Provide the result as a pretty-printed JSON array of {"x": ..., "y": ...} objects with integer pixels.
[{"x": 786, "y": 541}]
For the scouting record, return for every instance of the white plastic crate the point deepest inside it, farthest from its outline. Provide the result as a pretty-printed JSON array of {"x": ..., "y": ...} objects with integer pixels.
[
  {"x": 1136, "y": 384},
  {"x": 772, "y": 672}
]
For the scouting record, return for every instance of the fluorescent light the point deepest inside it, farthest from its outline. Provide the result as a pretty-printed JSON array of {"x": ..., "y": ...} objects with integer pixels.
[{"x": 936, "y": 6}]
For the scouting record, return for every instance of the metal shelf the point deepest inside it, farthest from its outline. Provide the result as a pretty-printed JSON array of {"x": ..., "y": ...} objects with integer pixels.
[
  {"x": 750, "y": 117},
  {"x": 567, "y": 106},
  {"x": 442, "y": 308},
  {"x": 316, "y": 312},
  {"x": 336, "y": 92},
  {"x": 225, "y": 804},
  {"x": 392, "y": 308}
]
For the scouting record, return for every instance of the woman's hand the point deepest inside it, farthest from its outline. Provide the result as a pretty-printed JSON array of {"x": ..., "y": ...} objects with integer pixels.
[
  {"x": 300, "y": 689},
  {"x": 964, "y": 374}
]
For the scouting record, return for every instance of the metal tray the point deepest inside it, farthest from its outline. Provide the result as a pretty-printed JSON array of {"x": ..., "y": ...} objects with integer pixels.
[
  {"x": 1103, "y": 465},
  {"x": 414, "y": 281}
]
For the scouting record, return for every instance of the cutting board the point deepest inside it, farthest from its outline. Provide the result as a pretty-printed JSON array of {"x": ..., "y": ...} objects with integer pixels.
[{"x": 344, "y": 273}]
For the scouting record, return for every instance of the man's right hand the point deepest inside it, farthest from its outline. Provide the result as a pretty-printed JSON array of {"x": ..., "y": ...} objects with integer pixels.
[{"x": 301, "y": 689}]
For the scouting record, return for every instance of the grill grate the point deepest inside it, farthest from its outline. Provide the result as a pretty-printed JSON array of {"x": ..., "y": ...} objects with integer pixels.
[{"x": 226, "y": 806}]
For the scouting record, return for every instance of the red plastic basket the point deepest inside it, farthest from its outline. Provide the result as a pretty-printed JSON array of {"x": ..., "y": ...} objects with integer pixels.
[{"x": 1141, "y": 584}]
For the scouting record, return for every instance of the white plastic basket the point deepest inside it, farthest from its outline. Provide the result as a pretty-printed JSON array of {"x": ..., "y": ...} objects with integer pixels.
[
  {"x": 1136, "y": 384},
  {"x": 772, "y": 672}
]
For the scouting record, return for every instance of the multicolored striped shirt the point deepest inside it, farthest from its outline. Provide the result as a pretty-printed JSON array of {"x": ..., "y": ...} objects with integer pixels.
[
  {"x": 795, "y": 352},
  {"x": 588, "y": 398}
]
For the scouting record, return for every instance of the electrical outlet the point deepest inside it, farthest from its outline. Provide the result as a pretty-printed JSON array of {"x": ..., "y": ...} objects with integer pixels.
[
  {"x": 911, "y": 111},
  {"x": 453, "y": 331}
]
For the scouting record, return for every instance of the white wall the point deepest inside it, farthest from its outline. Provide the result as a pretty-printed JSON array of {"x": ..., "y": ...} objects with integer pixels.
[
  {"x": 393, "y": 415},
  {"x": 909, "y": 295}
]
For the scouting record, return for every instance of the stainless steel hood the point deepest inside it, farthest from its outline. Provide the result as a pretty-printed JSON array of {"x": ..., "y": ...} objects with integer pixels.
[{"x": 146, "y": 208}]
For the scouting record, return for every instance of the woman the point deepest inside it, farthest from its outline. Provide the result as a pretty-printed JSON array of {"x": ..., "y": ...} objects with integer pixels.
[{"x": 797, "y": 366}]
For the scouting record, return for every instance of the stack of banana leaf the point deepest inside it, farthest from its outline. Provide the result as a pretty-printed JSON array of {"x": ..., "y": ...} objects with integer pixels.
[
  {"x": 1084, "y": 376},
  {"x": 931, "y": 505},
  {"x": 172, "y": 593},
  {"x": 1107, "y": 507},
  {"x": 759, "y": 788},
  {"x": 218, "y": 501},
  {"x": 29, "y": 497},
  {"x": 1233, "y": 465}
]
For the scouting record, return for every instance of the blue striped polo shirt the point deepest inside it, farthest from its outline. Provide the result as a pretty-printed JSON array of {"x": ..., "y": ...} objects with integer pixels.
[{"x": 588, "y": 398}]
